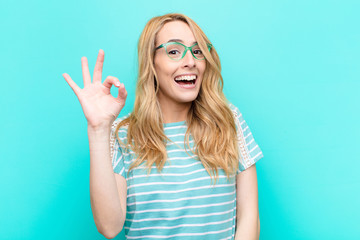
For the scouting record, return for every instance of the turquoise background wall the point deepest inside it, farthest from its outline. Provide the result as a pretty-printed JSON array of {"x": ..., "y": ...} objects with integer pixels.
[{"x": 292, "y": 68}]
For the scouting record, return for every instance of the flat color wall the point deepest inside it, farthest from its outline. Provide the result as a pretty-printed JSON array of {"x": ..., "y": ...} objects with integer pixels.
[{"x": 291, "y": 67}]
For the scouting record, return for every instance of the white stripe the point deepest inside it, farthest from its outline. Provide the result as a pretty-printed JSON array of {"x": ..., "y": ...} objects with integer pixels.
[
  {"x": 181, "y": 208},
  {"x": 182, "y": 190},
  {"x": 183, "y": 225},
  {"x": 180, "y": 234},
  {"x": 168, "y": 151},
  {"x": 118, "y": 160},
  {"x": 173, "y": 158},
  {"x": 256, "y": 146},
  {"x": 181, "y": 158},
  {"x": 167, "y": 128},
  {"x": 168, "y": 174},
  {"x": 248, "y": 135},
  {"x": 256, "y": 155},
  {"x": 182, "y": 199},
  {"x": 245, "y": 128},
  {"x": 127, "y": 154},
  {"x": 122, "y": 170},
  {"x": 175, "y": 135},
  {"x": 180, "y": 142},
  {"x": 169, "y": 183},
  {"x": 174, "y": 166},
  {"x": 180, "y": 150},
  {"x": 169, "y": 143},
  {"x": 250, "y": 142},
  {"x": 231, "y": 237},
  {"x": 184, "y": 216}
]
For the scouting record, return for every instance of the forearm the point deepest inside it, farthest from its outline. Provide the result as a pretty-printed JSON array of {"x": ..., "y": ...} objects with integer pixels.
[
  {"x": 104, "y": 198},
  {"x": 248, "y": 228}
]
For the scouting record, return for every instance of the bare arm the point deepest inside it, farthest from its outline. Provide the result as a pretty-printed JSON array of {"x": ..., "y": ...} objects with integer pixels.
[
  {"x": 247, "y": 211},
  {"x": 107, "y": 190}
]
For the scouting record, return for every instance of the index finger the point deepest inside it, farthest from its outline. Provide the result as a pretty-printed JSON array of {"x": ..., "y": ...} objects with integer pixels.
[
  {"x": 72, "y": 84},
  {"x": 99, "y": 66}
]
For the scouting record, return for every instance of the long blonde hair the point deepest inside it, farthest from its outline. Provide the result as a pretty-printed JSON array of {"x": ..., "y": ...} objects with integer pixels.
[{"x": 210, "y": 120}]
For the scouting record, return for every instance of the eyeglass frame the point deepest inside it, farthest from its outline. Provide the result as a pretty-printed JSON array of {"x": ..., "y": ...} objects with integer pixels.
[{"x": 186, "y": 49}]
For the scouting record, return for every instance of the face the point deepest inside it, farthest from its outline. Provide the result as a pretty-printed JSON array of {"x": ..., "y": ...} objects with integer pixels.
[{"x": 173, "y": 91}]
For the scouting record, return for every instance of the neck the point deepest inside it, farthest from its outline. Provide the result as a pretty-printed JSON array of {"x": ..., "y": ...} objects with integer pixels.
[{"x": 174, "y": 112}]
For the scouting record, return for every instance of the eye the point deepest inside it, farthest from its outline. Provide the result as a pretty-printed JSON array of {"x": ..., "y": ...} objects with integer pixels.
[
  {"x": 198, "y": 51},
  {"x": 173, "y": 52}
]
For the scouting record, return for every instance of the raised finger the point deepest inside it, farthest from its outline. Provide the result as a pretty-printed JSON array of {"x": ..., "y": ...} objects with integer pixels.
[
  {"x": 110, "y": 80},
  {"x": 99, "y": 66},
  {"x": 85, "y": 71},
  {"x": 71, "y": 83}
]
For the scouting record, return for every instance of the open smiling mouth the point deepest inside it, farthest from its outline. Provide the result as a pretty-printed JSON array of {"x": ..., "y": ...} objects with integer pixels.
[{"x": 186, "y": 80}]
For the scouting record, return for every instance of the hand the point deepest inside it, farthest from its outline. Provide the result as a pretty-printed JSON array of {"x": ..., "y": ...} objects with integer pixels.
[{"x": 99, "y": 106}]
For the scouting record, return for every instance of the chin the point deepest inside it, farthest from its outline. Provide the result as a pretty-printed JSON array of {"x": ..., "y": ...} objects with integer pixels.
[
  {"x": 187, "y": 100},
  {"x": 189, "y": 97}
]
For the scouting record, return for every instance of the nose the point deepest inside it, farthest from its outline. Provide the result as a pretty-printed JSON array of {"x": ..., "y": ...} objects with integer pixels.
[{"x": 189, "y": 59}]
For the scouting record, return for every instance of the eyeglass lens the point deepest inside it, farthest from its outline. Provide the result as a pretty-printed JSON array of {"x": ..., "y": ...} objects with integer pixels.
[{"x": 176, "y": 51}]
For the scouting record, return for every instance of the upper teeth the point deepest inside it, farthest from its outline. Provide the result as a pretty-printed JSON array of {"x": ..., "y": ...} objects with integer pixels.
[{"x": 186, "y": 77}]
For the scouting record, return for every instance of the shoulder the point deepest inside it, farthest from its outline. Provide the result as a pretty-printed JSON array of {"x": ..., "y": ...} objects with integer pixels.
[
  {"x": 122, "y": 131},
  {"x": 238, "y": 117},
  {"x": 236, "y": 112}
]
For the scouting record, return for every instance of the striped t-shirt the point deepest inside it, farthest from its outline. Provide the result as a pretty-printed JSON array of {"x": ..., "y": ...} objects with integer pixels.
[{"x": 181, "y": 202}]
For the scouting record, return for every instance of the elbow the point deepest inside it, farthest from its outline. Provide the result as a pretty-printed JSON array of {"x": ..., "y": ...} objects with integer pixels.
[
  {"x": 109, "y": 233},
  {"x": 110, "y": 236},
  {"x": 110, "y": 228}
]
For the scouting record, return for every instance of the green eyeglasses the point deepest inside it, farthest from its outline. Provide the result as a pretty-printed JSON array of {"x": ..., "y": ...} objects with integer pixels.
[{"x": 176, "y": 51}]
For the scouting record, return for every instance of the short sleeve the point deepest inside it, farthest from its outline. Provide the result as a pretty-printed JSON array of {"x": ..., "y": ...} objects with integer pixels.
[
  {"x": 250, "y": 151},
  {"x": 117, "y": 156}
]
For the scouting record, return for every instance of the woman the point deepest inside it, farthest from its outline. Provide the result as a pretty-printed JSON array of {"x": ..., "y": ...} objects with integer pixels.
[{"x": 179, "y": 158}]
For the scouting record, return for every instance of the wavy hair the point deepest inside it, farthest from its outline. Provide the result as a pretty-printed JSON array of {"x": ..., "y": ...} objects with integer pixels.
[{"x": 210, "y": 120}]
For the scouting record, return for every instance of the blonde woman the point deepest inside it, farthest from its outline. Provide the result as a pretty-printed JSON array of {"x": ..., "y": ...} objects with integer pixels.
[{"x": 181, "y": 165}]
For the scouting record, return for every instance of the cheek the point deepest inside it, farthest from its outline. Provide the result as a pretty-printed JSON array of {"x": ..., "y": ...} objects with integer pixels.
[
  {"x": 164, "y": 68},
  {"x": 202, "y": 68},
  {"x": 165, "y": 73}
]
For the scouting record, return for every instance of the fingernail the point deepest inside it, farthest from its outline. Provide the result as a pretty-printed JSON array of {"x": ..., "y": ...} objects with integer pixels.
[{"x": 117, "y": 84}]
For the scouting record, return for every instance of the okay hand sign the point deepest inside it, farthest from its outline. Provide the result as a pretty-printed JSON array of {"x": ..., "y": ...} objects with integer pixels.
[{"x": 99, "y": 106}]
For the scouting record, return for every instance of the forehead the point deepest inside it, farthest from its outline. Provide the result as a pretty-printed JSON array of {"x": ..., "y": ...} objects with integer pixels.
[{"x": 175, "y": 30}]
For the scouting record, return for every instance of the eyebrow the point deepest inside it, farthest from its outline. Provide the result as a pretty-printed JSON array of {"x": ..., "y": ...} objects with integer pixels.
[{"x": 179, "y": 40}]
